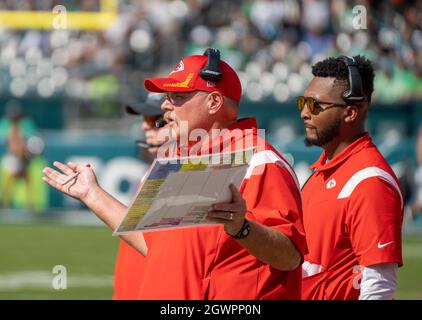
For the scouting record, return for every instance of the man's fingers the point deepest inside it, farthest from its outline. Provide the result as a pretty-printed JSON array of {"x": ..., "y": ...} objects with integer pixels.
[
  {"x": 214, "y": 219},
  {"x": 232, "y": 222},
  {"x": 56, "y": 185},
  {"x": 75, "y": 166},
  {"x": 237, "y": 204},
  {"x": 228, "y": 216},
  {"x": 54, "y": 175},
  {"x": 64, "y": 168},
  {"x": 225, "y": 207},
  {"x": 72, "y": 166},
  {"x": 236, "y": 195},
  {"x": 53, "y": 183}
]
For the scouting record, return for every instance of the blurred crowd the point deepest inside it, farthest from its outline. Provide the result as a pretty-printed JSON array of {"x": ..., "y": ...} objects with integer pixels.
[{"x": 272, "y": 43}]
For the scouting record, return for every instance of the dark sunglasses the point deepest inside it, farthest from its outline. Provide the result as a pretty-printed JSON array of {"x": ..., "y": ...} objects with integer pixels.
[{"x": 314, "y": 105}]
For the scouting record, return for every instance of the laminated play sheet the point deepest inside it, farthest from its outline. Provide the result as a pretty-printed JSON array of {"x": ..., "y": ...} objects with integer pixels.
[{"x": 178, "y": 192}]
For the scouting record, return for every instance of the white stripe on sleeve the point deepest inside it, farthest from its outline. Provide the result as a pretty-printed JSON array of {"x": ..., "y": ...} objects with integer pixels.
[
  {"x": 269, "y": 156},
  {"x": 364, "y": 174}
]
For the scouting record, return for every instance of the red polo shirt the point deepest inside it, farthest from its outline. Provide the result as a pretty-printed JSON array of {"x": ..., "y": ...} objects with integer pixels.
[
  {"x": 204, "y": 262},
  {"x": 353, "y": 212}
]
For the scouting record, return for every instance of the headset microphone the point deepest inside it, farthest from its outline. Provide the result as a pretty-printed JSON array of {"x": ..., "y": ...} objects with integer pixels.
[
  {"x": 160, "y": 123},
  {"x": 146, "y": 145}
]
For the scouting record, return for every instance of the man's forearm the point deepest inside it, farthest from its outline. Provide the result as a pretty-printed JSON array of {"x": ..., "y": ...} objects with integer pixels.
[
  {"x": 271, "y": 247},
  {"x": 111, "y": 212}
]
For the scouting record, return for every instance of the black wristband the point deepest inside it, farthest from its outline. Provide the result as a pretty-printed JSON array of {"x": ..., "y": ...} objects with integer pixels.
[{"x": 244, "y": 231}]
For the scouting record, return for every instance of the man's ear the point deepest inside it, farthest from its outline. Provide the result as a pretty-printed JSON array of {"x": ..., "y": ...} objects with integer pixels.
[
  {"x": 215, "y": 102},
  {"x": 351, "y": 113}
]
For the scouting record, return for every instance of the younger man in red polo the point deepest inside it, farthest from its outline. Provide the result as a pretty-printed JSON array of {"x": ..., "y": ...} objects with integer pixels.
[{"x": 352, "y": 203}]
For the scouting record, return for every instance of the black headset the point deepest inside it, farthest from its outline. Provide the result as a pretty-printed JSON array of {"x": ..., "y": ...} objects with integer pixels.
[
  {"x": 211, "y": 71},
  {"x": 355, "y": 93}
]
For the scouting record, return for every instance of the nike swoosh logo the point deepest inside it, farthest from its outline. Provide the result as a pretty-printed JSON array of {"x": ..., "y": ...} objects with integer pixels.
[{"x": 380, "y": 246}]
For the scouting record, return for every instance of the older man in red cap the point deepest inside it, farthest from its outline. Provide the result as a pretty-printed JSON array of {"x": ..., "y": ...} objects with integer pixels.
[{"x": 256, "y": 250}]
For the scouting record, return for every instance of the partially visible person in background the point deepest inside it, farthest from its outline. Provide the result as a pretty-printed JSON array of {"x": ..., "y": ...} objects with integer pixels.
[
  {"x": 129, "y": 260},
  {"x": 151, "y": 112},
  {"x": 16, "y": 128}
]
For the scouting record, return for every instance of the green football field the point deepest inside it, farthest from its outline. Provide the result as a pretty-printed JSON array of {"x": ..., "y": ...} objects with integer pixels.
[{"x": 30, "y": 252}]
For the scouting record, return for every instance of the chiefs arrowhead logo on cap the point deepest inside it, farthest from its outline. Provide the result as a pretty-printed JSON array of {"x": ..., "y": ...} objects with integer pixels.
[{"x": 179, "y": 67}]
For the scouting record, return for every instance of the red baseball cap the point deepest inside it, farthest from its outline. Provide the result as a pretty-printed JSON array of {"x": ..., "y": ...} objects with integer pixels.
[{"x": 185, "y": 78}]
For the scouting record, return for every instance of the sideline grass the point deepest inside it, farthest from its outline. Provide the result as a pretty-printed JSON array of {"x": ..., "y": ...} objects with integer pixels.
[
  {"x": 410, "y": 278},
  {"x": 86, "y": 252}
]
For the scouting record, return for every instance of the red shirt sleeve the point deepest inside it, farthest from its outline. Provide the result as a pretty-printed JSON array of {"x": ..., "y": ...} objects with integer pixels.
[
  {"x": 375, "y": 219},
  {"x": 273, "y": 199}
]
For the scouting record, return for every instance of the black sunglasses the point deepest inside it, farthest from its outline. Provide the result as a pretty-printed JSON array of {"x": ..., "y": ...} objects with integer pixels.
[{"x": 314, "y": 105}]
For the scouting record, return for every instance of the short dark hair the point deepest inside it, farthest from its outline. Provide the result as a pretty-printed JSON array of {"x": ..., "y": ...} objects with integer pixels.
[{"x": 333, "y": 67}]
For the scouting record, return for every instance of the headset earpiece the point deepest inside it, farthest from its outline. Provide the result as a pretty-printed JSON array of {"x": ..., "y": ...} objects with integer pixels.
[
  {"x": 355, "y": 93},
  {"x": 211, "y": 71}
]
